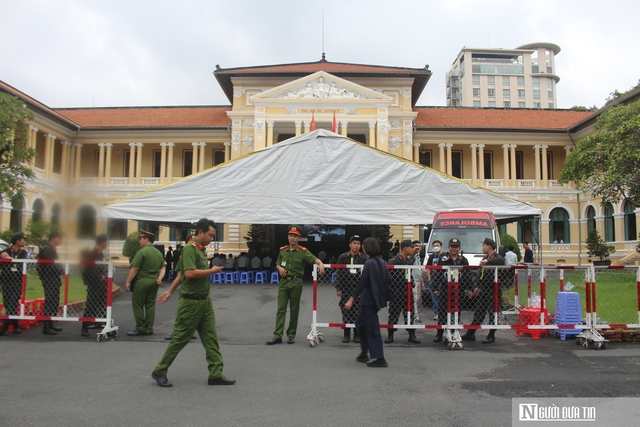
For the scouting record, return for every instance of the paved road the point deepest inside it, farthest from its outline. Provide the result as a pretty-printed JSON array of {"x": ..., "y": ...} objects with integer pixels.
[{"x": 68, "y": 380}]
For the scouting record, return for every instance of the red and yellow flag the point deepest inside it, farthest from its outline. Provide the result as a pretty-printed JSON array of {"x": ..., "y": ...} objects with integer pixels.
[
  {"x": 334, "y": 128},
  {"x": 313, "y": 122}
]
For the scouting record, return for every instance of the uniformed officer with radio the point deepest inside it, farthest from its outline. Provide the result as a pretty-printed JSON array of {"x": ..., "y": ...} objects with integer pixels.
[
  {"x": 347, "y": 282},
  {"x": 452, "y": 258},
  {"x": 12, "y": 280},
  {"x": 290, "y": 266}
]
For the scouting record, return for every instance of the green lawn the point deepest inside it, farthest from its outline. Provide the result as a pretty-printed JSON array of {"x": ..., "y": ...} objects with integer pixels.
[
  {"x": 616, "y": 294},
  {"x": 77, "y": 289}
]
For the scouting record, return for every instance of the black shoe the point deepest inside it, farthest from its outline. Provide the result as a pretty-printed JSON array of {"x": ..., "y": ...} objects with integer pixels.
[
  {"x": 84, "y": 331},
  {"x": 274, "y": 341},
  {"x": 291, "y": 340},
  {"x": 96, "y": 325},
  {"x": 389, "y": 339},
  {"x": 193, "y": 337},
  {"x": 136, "y": 333},
  {"x": 378, "y": 363},
  {"x": 221, "y": 381},
  {"x": 489, "y": 340},
  {"x": 467, "y": 337},
  {"x": 4, "y": 328},
  {"x": 363, "y": 357},
  {"x": 55, "y": 328},
  {"x": 438, "y": 338},
  {"x": 47, "y": 329},
  {"x": 16, "y": 329},
  {"x": 161, "y": 380},
  {"x": 347, "y": 336},
  {"x": 413, "y": 339},
  {"x": 356, "y": 339},
  {"x": 169, "y": 337}
]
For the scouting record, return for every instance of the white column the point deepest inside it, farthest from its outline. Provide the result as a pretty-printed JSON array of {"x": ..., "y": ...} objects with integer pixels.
[
  {"x": 194, "y": 158},
  {"x": 227, "y": 151},
  {"x": 132, "y": 163},
  {"x": 416, "y": 152},
  {"x": 343, "y": 128},
  {"x": 442, "y": 157},
  {"x": 449, "y": 160},
  {"x": 545, "y": 172},
  {"x": 481, "y": 168},
  {"x": 514, "y": 178},
  {"x": 307, "y": 126},
  {"x": 474, "y": 164},
  {"x": 64, "y": 163},
  {"x": 163, "y": 161},
  {"x": 567, "y": 151},
  {"x": 203, "y": 145},
  {"x": 372, "y": 134},
  {"x": 139, "y": 163},
  {"x": 101, "y": 163},
  {"x": 48, "y": 155},
  {"x": 505, "y": 165},
  {"x": 107, "y": 169},
  {"x": 78, "y": 162},
  {"x": 270, "y": 133},
  {"x": 536, "y": 153},
  {"x": 170, "y": 162},
  {"x": 298, "y": 124}
]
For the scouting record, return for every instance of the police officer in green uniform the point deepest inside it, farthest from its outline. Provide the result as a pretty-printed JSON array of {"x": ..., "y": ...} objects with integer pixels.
[
  {"x": 290, "y": 265},
  {"x": 194, "y": 309},
  {"x": 148, "y": 269}
]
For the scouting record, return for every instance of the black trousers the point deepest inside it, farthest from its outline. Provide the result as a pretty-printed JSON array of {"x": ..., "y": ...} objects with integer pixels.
[
  {"x": 349, "y": 316},
  {"x": 11, "y": 290},
  {"x": 484, "y": 306},
  {"x": 368, "y": 327},
  {"x": 96, "y": 305},
  {"x": 51, "y": 297},
  {"x": 398, "y": 305}
]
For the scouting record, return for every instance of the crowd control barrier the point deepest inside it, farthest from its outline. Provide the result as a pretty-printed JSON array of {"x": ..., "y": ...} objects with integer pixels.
[
  {"x": 532, "y": 300},
  {"x": 58, "y": 291}
]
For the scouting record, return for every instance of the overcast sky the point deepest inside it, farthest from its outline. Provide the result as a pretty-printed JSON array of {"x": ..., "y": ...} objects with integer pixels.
[{"x": 79, "y": 53}]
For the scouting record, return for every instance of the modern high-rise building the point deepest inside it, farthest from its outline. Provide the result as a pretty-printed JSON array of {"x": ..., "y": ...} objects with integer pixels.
[{"x": 524, "y": 77}]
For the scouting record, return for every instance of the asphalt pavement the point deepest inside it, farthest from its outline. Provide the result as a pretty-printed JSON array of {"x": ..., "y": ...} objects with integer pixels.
[{"x": 69, "y": 380}]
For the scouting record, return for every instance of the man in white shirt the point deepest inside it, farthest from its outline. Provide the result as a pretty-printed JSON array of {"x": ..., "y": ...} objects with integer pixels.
[{"x": 510, "y": 257}]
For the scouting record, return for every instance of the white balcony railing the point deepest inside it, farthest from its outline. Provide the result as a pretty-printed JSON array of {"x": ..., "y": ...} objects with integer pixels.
[
  {"x": 526, "y": 183},
  {"x": 494, "y": 183},
  {"x": 119, "y": 181}
]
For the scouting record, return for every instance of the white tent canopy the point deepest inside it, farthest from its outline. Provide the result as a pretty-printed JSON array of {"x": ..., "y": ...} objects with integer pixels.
[{"x": 317, "y": 178}]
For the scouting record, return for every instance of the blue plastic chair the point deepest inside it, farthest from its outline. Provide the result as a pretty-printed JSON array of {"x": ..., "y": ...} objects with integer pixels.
[
  {"x": 245, "y": 277},
  {"x": 261, "y": 277},
  {"x": 275, "y": 277}
]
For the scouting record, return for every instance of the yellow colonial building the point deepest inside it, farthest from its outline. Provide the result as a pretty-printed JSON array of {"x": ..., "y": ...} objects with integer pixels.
[{"x": 88, "y": 157}]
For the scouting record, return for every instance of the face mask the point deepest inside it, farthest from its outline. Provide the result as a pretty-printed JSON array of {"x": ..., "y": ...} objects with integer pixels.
[{"x": 436, "y": 249}]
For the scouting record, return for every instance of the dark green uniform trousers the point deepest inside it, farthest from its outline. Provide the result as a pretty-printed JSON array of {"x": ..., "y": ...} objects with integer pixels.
[
  {"x": 143, "y": 301},
  {"x": 288, "y": 292},
  {"x": 194, "y": 315}
]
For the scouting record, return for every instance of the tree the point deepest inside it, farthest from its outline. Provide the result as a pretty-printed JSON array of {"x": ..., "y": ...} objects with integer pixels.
[
  {"x": 617, "y": 94},
  {"x": 37, "y": 232},
  {"x": 607, "y": 163},
  {"x": 583, "y": 108},
  {"x": 131, "y": 246},
  {"x": 596, "y": 247},
  {"x": 507, "y": 240},
  {"x": 15, "y": 153}
]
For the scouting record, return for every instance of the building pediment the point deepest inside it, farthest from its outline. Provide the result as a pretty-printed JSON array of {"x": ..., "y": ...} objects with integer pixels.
[{"x": 320, "y": 86}]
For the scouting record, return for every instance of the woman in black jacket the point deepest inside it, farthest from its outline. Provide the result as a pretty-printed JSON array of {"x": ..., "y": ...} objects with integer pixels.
[{"x": 373, "y": 292}]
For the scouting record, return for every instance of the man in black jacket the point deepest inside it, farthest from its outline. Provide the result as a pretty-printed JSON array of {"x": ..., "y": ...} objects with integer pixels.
[
  {"x": 11, "y": 278},
  {"x": 439, "y": 277},
  {"x": 95, "y": 279},
  {"x": 484, "y": 291},
  {"x": 399, "y": 291},
  {"x": 346, "y": 283},
  {"x": 50, "y": 273}
]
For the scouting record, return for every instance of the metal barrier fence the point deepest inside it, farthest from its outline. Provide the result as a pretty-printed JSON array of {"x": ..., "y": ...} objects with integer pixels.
[
  {"x": 52, "y": 291},
  {"x": 530, "y": 299}
]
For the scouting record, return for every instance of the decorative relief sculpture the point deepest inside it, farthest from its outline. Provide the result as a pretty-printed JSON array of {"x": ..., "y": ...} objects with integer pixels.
[
  {"x": 394, "y": 142},
  {"x": 260, "y": 125},
  {"x": 235, "y": 139},
  {"x": 248, "y": 123},
  {"x": 321, "y": 90},
  {"x": 247, "y": 141},
  {"x": 382, "y": 125},
  {"x": 395, "y": 124},
  {"x": 292, "y": 110},
  {"x": 406, "y": 92},
  {"x": 351, "y": 110}
]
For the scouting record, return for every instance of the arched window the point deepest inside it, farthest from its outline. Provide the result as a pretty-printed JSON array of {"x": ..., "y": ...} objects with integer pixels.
[
  {"x": 16, "y": 214},
  {"x": 609, "y": 224},
  {"x": 86, "y": 222},
  {"x": 55, "y": 214},
  {"x": 591, "y": 218},
  {"x": 630, "y": 230},
  {"x": 559, "y": 230},
  {"x": 38, "y": 207}
]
